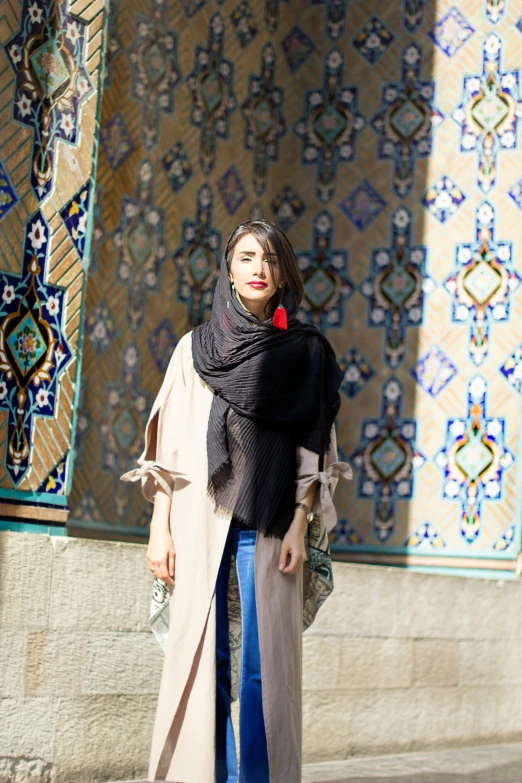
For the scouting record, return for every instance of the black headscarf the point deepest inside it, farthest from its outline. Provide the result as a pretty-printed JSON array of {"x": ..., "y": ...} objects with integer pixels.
[{"x": 274, "y": 389}]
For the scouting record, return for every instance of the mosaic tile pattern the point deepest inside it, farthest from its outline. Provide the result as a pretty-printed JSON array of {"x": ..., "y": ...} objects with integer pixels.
[
  {"x": 47, "y": 55},
  {"x": 363, "y": 205},
  {"x": 373, "y": 40},
  {"x": 395, "y": 287},
  {"x": 488, "y": 114},
  {"x": 329, "y": 125},
  {"x": 483, "y": 285},
  {"x": 325, "y": 276},
  {"x": 473, "y": 459},
  {"x": 406, "y": 119},
  {"x": 359, "y": 152},
  {"x": 8, "y": 197}
]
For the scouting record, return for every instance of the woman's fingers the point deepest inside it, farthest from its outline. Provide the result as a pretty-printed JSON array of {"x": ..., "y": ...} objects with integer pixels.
[
  {"x": 171, "y": 563},
  {"x": 283, "y": 557},
  {"x": 296, "y": 561},
  {"x": 163, "y": 573}
]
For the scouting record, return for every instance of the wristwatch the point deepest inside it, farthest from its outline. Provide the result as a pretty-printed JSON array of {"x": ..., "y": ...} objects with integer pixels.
[{"x": 308, "y": 512}]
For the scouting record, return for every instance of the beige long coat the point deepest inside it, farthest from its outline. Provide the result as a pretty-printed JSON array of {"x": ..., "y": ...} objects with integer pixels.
[{"x": 183, "y": 744}]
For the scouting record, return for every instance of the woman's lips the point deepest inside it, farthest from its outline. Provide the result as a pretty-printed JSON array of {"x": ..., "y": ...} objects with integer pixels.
[{"x": 257, "y": 285}]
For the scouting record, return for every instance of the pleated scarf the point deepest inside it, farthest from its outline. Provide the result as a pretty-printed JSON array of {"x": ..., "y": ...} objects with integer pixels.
[{"x": 273, "y": 389}]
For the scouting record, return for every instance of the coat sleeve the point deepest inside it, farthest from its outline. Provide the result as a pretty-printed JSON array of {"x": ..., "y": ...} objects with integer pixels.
[
  {"x": 158, "y": 463},
  {"x": 308, "y": 471}
]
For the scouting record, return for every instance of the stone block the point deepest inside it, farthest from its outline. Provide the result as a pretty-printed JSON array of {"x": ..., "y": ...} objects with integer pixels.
[
  {"x": 12, "y": 657},
  {"x": 435, "y": 662},
  {"x": 490, "y": 662},
  {"x": 13, "y": 770},
  {"x": 28, "y": 728},
  {"x": 103, "y": 738},
  {"x": 54, "y": 664},
  {"x": 321, "y": 661},
  {"x": 362, "y": 604},
  {"x": 97, "y": 585},
  {"x": 328, "y": 725},
  {"x": 120, "y": 663},
  {"x": 25, "y": 580},
  {"x": 375, "y": 663}
]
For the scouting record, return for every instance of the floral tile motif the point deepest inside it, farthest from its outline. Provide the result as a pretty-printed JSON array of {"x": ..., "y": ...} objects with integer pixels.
[
  {"x": 329, "y": 125},
  {"x": 87, "y": 509},
  {"x": 495, "y": 10},
  {"x": 473, "y": 460},
  {"x": 211, "y": 84},
  {"x": 373, "y": 39},
  {"x": 363, "y": 205},
  {"x": 162, "y": 342},
  {"x": 483, "y": 282},
  {"x": 244, "y": 23},
  {"x": 8, "y": 197},
  {"x": 191, "y": 7},
  {"x": 83, "y": 424},
  {"x": 47, "y": 56},
  {"x": 434, "y": 371},
  {"x": 451, "y": 32},
  {"x": 344, "y": 534},
  {"x": 287, "y": 207},
  {"x": 385, "y": 460},
  {"x": 272, "y": 14},
  {"x": 516, "y": 193},
  {"x": 425, "y": 538},
  {"x": 325, "y": 277},
  {"x": 232, "y": 190},
  {"x": 413, "y": 14},
  {"x": 56, "y": 482},
  {"x": 395, "y": 287},
  {"x": 116, "y": 141},
  {"x": 123, "y": 424},
  {"x": 512, "y": 369},
  {"x": 75, "y": 215},
  {"x": 100, "y": 328},
  {"x": 177, "y": 166},
  {"x": 297, "y": 48},
  {"x": 196, "y": 259},
  {"x": 33, "y": 349},
  {"x": 443, "y": 198},
  {"x": 506, "y": 541},
  {"x": 113, "y": 46},
  {"x": 357, "y": 372},
  {"x": 139, "y": 239},
  {"x": 263, "y": 114},
  {"x": 489, "y": 111},
  {"x": 405, "y": 120},
  {"x": 335, "y": 21},
  {"x": 155, "y": 72}
]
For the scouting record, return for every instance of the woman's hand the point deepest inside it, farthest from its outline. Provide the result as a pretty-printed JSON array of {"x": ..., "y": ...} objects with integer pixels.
[
  {"x": 161, "y": 555},
  {"x": 293, "y": 552}
]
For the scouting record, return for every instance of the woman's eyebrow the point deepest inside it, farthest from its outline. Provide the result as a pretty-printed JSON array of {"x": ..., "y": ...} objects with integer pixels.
[{"x": 253, "y": 253}]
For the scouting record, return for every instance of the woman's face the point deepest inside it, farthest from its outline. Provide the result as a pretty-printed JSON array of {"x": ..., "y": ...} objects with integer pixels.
[{"x": 250, "y": 272}]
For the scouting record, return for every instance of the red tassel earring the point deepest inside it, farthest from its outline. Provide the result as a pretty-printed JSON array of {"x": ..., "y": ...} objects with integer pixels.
[{"x": 279, "y": 320}]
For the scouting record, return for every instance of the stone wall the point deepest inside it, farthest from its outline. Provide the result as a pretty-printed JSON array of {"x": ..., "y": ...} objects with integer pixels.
[{"x": 395, "y": 661}]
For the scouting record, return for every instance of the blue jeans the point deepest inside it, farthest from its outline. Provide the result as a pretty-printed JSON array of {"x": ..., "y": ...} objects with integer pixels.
[{"x": 253, "y": 756}]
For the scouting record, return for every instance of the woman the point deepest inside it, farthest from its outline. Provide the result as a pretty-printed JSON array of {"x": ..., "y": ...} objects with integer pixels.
[{"x": 235, "y": 449}]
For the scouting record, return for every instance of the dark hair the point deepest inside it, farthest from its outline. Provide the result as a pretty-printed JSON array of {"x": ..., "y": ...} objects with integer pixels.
[{"x": 273, "y": 240}]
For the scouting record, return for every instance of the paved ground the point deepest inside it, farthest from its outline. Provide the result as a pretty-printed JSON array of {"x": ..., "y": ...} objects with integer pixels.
[
  {"x": 501, "y": 764},
  {"x": 495, "y": 764}
]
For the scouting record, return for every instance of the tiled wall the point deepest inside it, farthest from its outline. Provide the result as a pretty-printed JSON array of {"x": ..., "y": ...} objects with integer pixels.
[
  {"x": 50, "y": 55},
  {"x": 383, "y": 137}
]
